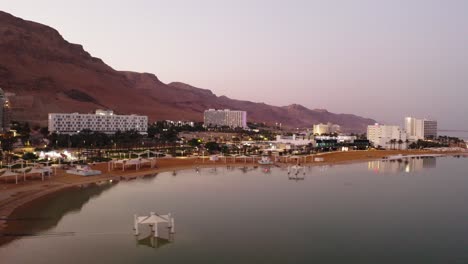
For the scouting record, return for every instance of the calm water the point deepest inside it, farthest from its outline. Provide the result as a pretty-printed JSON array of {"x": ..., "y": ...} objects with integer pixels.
[{"x": 377, "y": 212}]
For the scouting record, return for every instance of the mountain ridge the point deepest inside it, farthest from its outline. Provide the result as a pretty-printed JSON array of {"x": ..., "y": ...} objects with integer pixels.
[{"x": 44, "y": 73}]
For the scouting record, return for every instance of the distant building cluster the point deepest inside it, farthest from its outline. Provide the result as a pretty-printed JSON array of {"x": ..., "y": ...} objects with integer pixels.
[
  {"x": 5, "y": 113},
  {"x": 104, "y": 121},
  {"x": 325, "y": 129},
  {"x": 225, "y": 118},
  {"x": 297, "y": 141},
  {"x": 389, "y": 136}
]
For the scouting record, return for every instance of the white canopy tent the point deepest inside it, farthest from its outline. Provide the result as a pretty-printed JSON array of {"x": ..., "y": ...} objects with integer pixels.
[
  {"x": 153, "y": 220},
  {"x": 4, "y": 173}
]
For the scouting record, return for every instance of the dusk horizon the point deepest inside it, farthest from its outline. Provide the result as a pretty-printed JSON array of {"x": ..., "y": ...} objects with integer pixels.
[
  {"x": 237, "y": 132},
  {"x": 402, "y": 59}
]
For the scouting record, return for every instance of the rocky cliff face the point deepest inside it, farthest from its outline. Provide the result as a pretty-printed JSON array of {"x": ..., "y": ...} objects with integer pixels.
[{"x": 44, "y": 73}]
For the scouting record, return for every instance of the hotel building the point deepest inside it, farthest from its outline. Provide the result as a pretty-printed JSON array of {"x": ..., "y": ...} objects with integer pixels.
[
  {"x": 383, "y": 135},
  {"x": 328, "y": 128},
  {"x": 104, "y": 121},
  {"x": 420, "y": 128},
  {"x": 226, "y": 117},
  {"x": 5, "y": 113}
]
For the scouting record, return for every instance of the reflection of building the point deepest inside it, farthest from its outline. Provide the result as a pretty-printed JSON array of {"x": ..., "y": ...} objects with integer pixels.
[
  {"x": 104, "y": 121},
  {"x": 402, "y": 165},
  {"x": 226, "y": 117},
  {"x": 420, "y": 128},
  {"x": 329, "y": 128},
  {"x": 5, "y": 113},
  {"x": 429, "y": 162},
  {"x": 389, "y": 137}
]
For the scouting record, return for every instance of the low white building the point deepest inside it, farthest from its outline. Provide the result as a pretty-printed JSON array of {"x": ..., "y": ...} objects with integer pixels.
[
  {"x": 294, "y": 140},
  {"x": 388, "y": 137},
  {"x": 104, "y": 121},
  {"x": 180, "y": 123},
  {"x": 339, "y": 139},
  {"x": 329, "y": 128}
]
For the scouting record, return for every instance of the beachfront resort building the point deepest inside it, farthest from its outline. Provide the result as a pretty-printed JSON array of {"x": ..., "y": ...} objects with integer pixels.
[
  {"x": 323, "y": 129},
  {"x": 420, "y": 128},
  {"x": 5, "y": 113},
  {"x": 179, "y": 123},
  {"x": 226, "y": 117},
  {"x": 296, "y": 140},
  {"x": 104, "y": 121},
  {"x": 388, "y": 137}
]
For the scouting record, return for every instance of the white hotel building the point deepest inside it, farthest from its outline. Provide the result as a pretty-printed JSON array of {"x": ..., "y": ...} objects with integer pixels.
[
  {"x": 104, "y": 121},
  {"x": 382, "y": 135},
  {"x": 329, "y": 128},
  {"x": 420, "y": 128},
  {"x": 225, "y": 117}
]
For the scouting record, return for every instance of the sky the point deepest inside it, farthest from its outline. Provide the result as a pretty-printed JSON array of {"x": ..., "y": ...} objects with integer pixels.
[{"x": 383, "y": 59}]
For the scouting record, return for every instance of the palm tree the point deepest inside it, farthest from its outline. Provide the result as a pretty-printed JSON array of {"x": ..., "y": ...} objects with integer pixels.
[
  {"x": 392, "y": 143},
  {"x": 399, "y": 143}
]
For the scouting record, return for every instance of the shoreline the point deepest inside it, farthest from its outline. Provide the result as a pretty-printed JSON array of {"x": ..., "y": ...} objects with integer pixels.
[{"x": 24, "y": 194}]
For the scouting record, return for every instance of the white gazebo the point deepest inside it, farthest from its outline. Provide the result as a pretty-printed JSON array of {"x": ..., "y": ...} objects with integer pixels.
[
  {"x": 4, "y": 173},
  {"x": 10, "y": 172},
  {"x": 124, "y": 164},
  {"x": 296, "y": 169},
  {"x": 153, "y": 220}
]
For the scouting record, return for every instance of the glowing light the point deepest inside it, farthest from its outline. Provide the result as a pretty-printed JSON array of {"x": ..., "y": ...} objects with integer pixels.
[{"x": 56, "y": 155}]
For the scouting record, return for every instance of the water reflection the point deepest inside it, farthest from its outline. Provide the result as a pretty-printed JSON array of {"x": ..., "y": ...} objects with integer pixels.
[
  {"x": 236, "y": 218},
  {"x": 408, "y": 165},
  {"x": 37, "y": 219},
  {"x": 165, "y": 237},
  {"x": 246, "y": 169},
  {"x": 152, "y": 242},
  {"x": 266, "y": 170}
]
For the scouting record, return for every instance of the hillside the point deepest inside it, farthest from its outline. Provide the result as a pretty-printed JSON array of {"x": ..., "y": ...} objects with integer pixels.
[{"x": 44, "y": 73}]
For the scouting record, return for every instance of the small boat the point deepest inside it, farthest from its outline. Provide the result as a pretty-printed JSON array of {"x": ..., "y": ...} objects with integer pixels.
[{"x": 265, "y": 160}]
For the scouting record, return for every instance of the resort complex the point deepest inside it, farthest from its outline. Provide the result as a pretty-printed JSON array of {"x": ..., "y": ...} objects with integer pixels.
[
  {"x": 225, "y": 118},
  {"x": 104, "y": 121},
  {"x": 234, "y": 132}
]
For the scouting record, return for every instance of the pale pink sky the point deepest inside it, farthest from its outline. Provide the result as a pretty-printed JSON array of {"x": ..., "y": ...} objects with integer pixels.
[{"x": 379, "y": 59}]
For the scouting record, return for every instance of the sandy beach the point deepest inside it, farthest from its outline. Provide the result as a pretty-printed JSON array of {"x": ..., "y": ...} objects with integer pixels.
[{"x": 14, "y": 196}]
